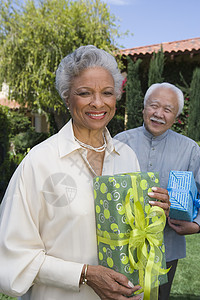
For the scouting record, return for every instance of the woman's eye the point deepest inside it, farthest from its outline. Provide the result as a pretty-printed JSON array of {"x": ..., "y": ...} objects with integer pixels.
[{"x": 84, "y": 94}]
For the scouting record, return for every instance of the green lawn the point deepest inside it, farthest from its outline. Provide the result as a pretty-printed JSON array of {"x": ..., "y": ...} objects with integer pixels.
[
  {"x": 186, "y": 285},
  {"x": 4, "y": 297}
]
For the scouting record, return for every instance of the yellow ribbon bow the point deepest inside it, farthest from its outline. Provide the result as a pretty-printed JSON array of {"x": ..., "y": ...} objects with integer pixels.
[{"x": 146, "y": 237}]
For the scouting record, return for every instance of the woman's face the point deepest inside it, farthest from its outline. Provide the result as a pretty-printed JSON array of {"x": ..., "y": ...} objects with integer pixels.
[{"x": 92, "y": 99}]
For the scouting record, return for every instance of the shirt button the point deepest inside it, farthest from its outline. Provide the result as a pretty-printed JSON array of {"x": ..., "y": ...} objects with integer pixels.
[{"x": 153, "y": 148}]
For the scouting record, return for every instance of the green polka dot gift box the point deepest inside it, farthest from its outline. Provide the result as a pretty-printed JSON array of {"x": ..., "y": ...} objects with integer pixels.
[{"x": 130, "y": 230}]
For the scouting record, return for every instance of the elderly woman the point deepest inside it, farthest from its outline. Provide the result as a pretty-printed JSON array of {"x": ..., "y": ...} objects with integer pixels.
[{"x": 48, "y": 247}]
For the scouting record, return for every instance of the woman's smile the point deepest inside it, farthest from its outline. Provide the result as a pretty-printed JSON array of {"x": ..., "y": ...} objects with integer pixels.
[{"x": 97, "y": 116}]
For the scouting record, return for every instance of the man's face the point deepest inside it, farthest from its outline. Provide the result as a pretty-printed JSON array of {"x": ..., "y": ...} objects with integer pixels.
[{"x": 160, "y": 111}]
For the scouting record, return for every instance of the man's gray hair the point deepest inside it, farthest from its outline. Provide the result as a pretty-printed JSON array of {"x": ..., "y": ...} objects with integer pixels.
[
  {"x": 167, "y": 85},
  {"x": 82, "y": 58}
]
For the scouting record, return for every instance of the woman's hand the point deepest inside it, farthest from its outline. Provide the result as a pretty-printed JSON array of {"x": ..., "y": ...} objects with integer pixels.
[
  {"x": 110, "y": 285},
  {"x": 163, "y": 199}
]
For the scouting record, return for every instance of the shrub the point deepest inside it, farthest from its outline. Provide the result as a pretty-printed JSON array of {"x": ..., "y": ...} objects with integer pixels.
[
  {"x": 16, "y": 138},
  {"x": 4, "y": 147},
  {"x": 134, "y": 96},
  {"x": 194, "y": 107},
  {"x": 181, "y": 124}
]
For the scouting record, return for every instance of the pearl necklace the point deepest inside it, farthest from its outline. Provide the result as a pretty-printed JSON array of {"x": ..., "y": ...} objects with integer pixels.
[{"x": 98, "y": 149}]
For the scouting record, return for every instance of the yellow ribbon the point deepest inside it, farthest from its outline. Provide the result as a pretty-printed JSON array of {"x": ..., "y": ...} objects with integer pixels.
[{"x": 145, "y": 237}]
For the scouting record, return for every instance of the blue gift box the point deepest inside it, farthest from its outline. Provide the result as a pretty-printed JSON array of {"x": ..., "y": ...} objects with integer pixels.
[{"x": 183, "y": 195}]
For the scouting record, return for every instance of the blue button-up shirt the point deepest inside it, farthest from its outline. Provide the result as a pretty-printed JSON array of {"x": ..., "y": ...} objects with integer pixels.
[{"x": 163, "y": 153}]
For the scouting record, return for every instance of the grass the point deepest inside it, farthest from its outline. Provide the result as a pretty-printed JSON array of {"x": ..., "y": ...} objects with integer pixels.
[
  {"x": 185, "y": 297},
  {"x": 4, "y": 297},
  {"x": 186, "y": 281},
  {"x": 187, "y": 278}
]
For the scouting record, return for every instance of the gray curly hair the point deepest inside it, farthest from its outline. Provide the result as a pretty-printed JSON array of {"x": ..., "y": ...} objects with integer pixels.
[{"x": 82, "y": 58}]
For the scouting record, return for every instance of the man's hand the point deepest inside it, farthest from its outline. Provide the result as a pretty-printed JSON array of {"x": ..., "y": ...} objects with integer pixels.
[
  {"x": 183, "y": 227},
  {"x": 163, "y": 199}
]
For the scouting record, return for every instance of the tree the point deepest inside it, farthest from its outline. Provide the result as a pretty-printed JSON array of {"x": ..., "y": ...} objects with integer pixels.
[
  {"x": 36, "y": 35},
  {"x": 156, "y": 68},
  {"x": 194, "y": 107},
  {"x": 134, "y": 97}
]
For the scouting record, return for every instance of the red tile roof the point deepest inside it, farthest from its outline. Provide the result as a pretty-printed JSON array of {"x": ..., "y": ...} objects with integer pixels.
[{"x": 170, "y": 47}]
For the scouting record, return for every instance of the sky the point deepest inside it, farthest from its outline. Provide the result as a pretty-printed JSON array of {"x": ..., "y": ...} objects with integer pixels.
[{"x": 156, "y": 21}]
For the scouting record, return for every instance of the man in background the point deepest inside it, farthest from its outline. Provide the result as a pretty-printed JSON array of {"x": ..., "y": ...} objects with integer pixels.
[{"x": 159, "y": 149}]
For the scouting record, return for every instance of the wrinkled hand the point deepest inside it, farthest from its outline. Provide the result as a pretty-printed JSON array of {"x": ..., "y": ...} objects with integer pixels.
[
  {"x": 163, "y": 199},
  {"x": 110, "y": 285},
  {"x": 183, "y": 227}
]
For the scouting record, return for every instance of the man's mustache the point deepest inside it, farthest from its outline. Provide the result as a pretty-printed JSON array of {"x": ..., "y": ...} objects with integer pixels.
[{"x": 157, "y": 120}]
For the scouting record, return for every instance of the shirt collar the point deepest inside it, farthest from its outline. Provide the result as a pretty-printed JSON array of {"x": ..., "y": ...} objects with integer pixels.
[
  {"x": 67, "y": 143},
  {"x": 151, "y": 136}
]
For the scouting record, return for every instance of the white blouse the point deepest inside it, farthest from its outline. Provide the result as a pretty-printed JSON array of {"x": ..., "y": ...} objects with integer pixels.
[{"x": 47, "y": 218}]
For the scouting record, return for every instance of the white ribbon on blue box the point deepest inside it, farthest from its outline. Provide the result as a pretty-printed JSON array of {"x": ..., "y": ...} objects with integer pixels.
[{"x": 183, "y": 196}]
